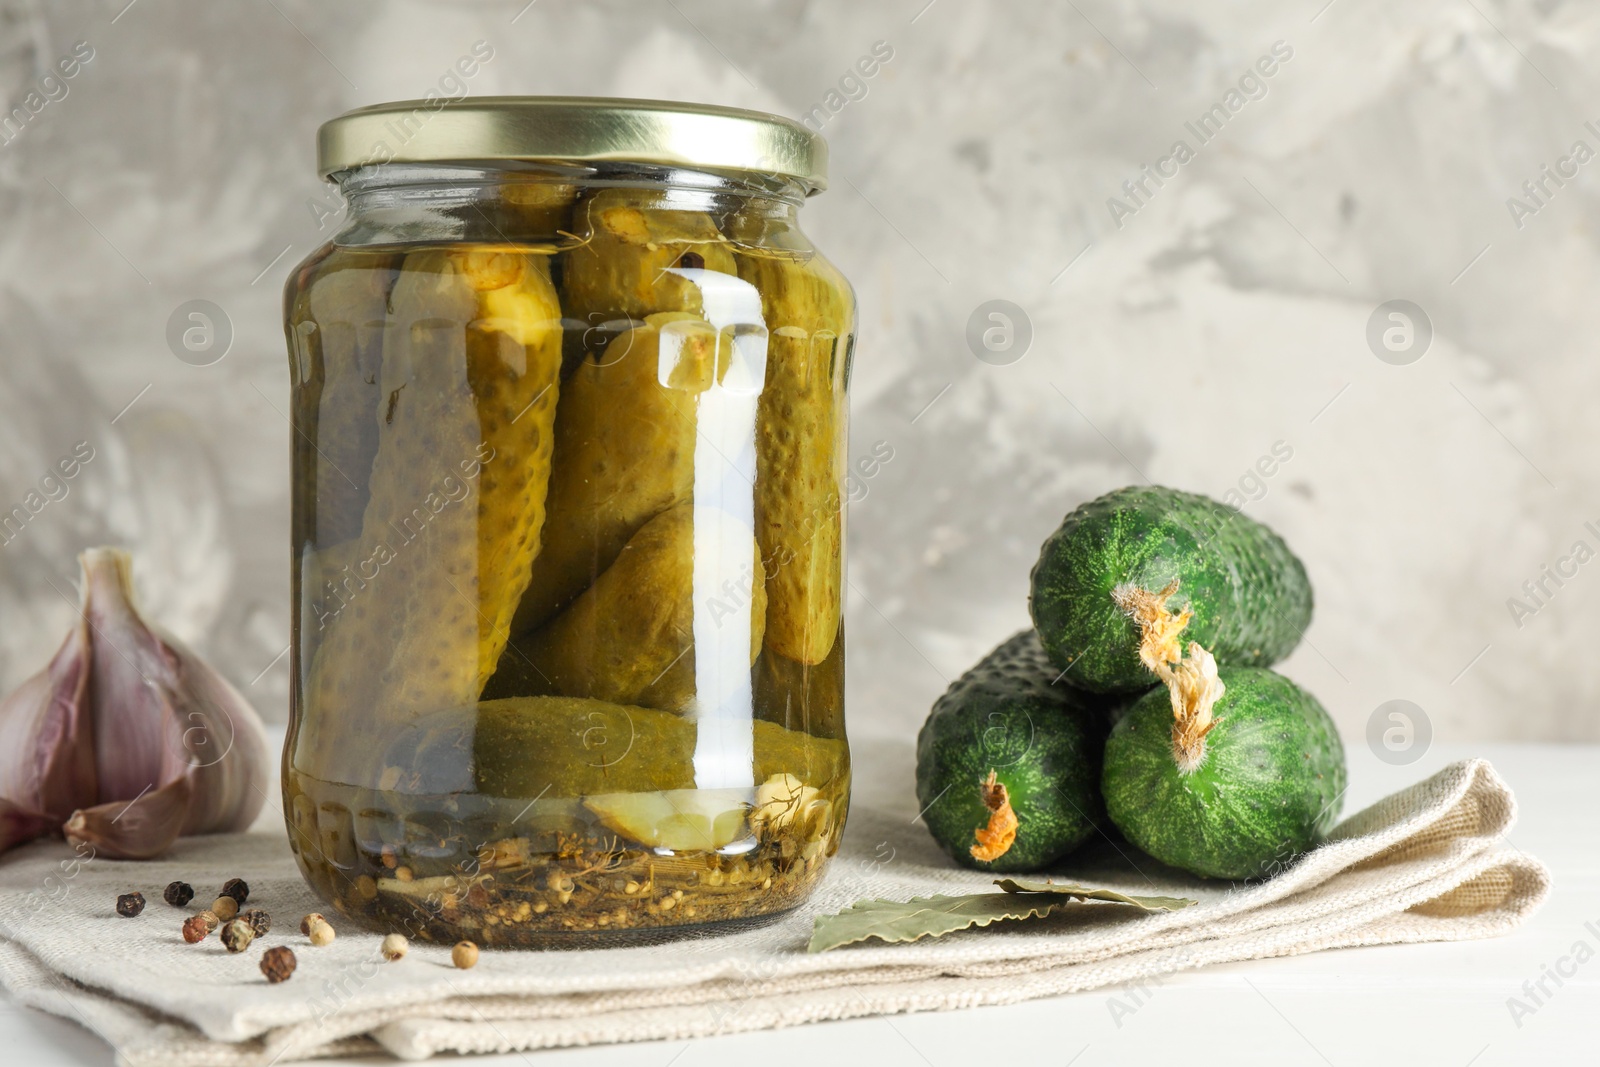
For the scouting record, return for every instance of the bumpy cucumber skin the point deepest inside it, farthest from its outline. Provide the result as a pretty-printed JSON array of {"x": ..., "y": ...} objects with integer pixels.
[
  {"x": 1250, "y": 595},
  {"x": 1268, "y": 789},
  {"x": 1043, "y": 742}
]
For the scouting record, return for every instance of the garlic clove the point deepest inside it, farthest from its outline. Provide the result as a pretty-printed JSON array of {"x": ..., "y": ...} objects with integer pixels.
[
  {"x": 47, "y": 760},
  {"x": 229, "y": 762},
  {"x": 137, "y": 829},
  {"x": 163, "y": 713},
  {"x": 138, "y": 738}
]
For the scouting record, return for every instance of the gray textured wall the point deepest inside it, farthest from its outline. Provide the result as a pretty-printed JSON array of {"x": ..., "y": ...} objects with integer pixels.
[{"x": 1180, "y": 340}]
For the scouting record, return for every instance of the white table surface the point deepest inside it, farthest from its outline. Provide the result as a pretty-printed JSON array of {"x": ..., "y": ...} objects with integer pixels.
[{"x": 1440, "y": 1004}]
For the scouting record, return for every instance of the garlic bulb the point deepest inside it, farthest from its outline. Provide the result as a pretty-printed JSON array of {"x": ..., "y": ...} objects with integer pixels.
[{"x": 127, "y": 739}]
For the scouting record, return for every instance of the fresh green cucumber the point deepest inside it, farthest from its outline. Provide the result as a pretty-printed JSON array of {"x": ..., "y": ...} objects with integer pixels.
[
  {"x": 1249, "y": 595},
  {"x": 1236, "y": 792},
  {"x": 1040, "y": 741}
]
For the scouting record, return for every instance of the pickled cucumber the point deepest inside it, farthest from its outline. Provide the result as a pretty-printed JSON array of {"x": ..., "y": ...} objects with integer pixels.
[
  {"x": 624, "y": 453},
  {"x": 536, "y": 209},
  {"x": 629, "y": 638},
  {"x": 335, "y": 327},
  {"x": 800, "y": 442},
  {"x": 564, "y": 747},
  {"x": 683, "y": 820},
  {"x": 335, "y": 324},
  {"x": 701, "y": 820},
  {"x": 623, "y": 268},
  {"x": 469, "y": 378}
]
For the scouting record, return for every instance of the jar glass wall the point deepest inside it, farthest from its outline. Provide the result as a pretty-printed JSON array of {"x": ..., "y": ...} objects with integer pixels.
[{"x": 568, "y": 452}]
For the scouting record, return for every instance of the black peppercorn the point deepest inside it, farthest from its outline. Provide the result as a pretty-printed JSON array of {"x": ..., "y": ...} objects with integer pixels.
[
  {"x": 258, "y": 919},
  {"x": 130, "y": 904},
  {"x": 178, "y": 894},
  {"x": 236, "y": 888},
  {"x": 277, "y": 964}
]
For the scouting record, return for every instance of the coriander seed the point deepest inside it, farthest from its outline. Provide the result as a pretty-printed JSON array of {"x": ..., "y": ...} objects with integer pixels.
[
  {"x": 236, "y": 888},
  {"x": 178, "y": 893},
  {"x": 394, "y": 947},
  {"x": 236, "y": 935},
  {"x": 464, "y": 955},
  {"x": 278, "y": 964},
  {"x": 258, "y": 919},
  {"x": 225, "y": 907},
  {"x": 130, "y": 904},
  {"x": 195, "y": 927}
]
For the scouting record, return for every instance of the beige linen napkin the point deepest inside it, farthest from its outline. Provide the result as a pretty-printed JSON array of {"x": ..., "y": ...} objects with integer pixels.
[{"x": 1426, "y": 864}]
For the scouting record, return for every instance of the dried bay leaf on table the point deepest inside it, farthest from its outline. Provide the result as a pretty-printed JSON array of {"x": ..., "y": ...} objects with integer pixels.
[
  {"x": 1078, "y": 892},
  {"x": 894, "y": 921}
]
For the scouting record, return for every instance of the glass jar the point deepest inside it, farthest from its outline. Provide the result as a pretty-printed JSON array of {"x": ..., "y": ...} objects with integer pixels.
[{"x": 569, "y": 415}]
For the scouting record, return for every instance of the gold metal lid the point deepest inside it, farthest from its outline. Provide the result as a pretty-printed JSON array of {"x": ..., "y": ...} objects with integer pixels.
[{"x": 573, "y": 129}]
